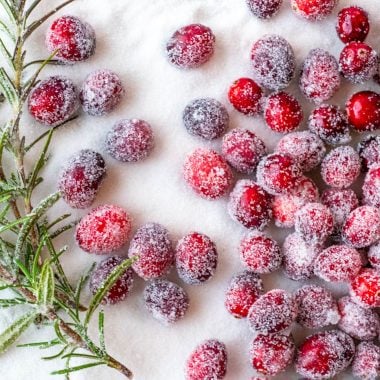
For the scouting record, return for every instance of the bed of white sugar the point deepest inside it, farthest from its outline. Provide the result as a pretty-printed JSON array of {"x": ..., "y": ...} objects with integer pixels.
[{"x": 131, "y": 36}]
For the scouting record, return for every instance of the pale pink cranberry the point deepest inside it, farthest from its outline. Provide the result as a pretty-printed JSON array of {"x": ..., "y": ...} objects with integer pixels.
[
  {"x": 264, "y": 9},
  {"x": 366, "y": 364},
  {"x": 374, "y": 256},
  {"x": 365, "y": 288},
  {"x": 369, "y": 151},
  {"x": 313, "y": 10},
  {"x": 353, "y": 24},
  {"x": 246, "y": 96},
  {"x": 371, "y": 186}
]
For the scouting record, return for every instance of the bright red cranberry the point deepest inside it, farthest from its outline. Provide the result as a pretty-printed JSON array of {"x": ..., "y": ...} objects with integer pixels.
[
  {"x": 314, "y": 10},
  {"x": 207, "y": 361},
  {"x": 242, "y": 292},
  {"x": 363, "y": 111},
  {"x": 152, "y": 245},
  {"x": 101, "y": 92},
  {"x": 271, "y": 354},
  {"x": 320, "y": 78},
  {"x": 243, "y": 150},
  {"x": 273, "y": 62},
  {"x": 282, "y": 112},
  {"x": 81, "y": 177},
  {"x": 104, "y": 230},
  {"x": 374, "y": 256},
  {"x": 264, "y": 9},
  {"x": 196, "y": 258},
  {"x": 250, "y": 205},
  {"x": 371, "y": 186},
  {"x": 366, "y": 364},
  {"x": 369, "y": 151},
  {"x": 191, "y": 46},
  {"x": 166, "y": 301},
  {"x": 246, "y": 96},
  {"x": 207, "y": 173},
  {"x": 120, "y": 290},
  {"x": 73, "y": 39},
  {"x": 352, "y": 25},
  {"x": 273, "y": 312},
  {"x": 365, "y": 288}
]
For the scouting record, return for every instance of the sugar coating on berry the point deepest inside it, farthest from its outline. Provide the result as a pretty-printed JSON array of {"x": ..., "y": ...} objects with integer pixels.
[
  {"x": 80, "y": 178},
  {"x": 196, "y": 258},
  {"x": 314, "y": 10},
  {"x": 243, "y": 150},
  {"x": 152, "y": 246},
  {"x": 273, "y": 62},
  {"x": 121, "y": 288},
  {"x": 369, "y": 151},
  {"x": 206, "y": 118},
  {"x": 352, "y": 24},
  {"x": 166, "y": 301},
  {"x": 103, "y": 230},
  {"x": 273, "y": 312},
  {"x": 71, "y": 38},
  {"x": 207, "y": 361},
  {"x": 371, "y": 186},
  {"x": 366, "y": 363},
  {"x": 264, "y": 9},
  {"x": 190, "y": 46},
  {"x": 320, "y": 78},
  {"x": 246, "y": 96},
  {"x": 250, "y": 205},
  {"x": 374, "y": 256},
  {"x": 365, "y": 288},
  {"x": 101, "y": 92}
]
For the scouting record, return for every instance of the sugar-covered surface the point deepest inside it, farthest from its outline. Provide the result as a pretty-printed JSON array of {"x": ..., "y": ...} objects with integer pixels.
[{"x": 131, "y": 37}]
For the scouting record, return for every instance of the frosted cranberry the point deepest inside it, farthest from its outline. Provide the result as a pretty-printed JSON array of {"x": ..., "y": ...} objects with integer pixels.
[
  {"x": 105, "y": 229},
  {"x": 366, "y": 364},
  {"x": 271, "y": 354},
  {"x": 53, "y": 101},
  {"x": 166, "y": 301},
  {"x": 196, "y": 258},
  {"x": 353, "y": 24},
  {"x": 73, "y": 39},
  {"x": 152, "y": 246},
  {"x": 363, "y": 111},
  {"x": 120, "y": 290},
  {"x": 80, "y": 178},
  {"x": 250, "y": 205},
  {"x": 371, "y": 186},
  {"x": 207, "y": 173},
  {"x": 374, "y": 256},
  {"x": 242, "y": 292},
  {"x": 365, "y": 288},
  {"x": 246, "y": 96},
  {"x": 316, "y": 307},
  {"x": 191, "y": 46},
  {"x": 101, "y": 92},
  {"x": 314, "y": 10},
  {"x": 264, "y": 9},
  {"x": 320, "y": 78},
  {"x": 273, "y": 312},
  {"x": 282, "y": 112},
  {"x": 369, "y": 151},
  {"x": 273, "y": 62},
  {"x": 130, "y": 140},
  {"x": 243, "y": 150},
  {"x": 207, "y": 361}
]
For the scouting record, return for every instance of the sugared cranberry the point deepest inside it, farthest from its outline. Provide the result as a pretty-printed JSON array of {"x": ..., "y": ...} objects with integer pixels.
[
  {"x": 153, "y": 249},
  {"x": 374, "y": 256},
  {"x": 273, "y": 312},
  {"x": 369, "y": 151},
  {"x": 242, "y": 292},
  {"x": 166, "y": 301},
  {"x": 371, "y": 186},
  {"x": 365, "y": 288},
  {"x": 130, "y": 140},
  {"x": 271, "y": 354},
  {"x": 250, "y": 205},
  {"x": 73, "y": 39},
  {"x": 366, "y": 364},
  {"x": 352, "y": 25},
  {"x": 273, "y": 62},
  {"x": 314, "y": 10},
  {"x": 320, "y": 77},
  {"x": 105, "y": 229},
  {"x": 120, "y": 290},
  {"x": 246, "y": 96},
  {"x": 207, "y": 361},
  {"x": 101, "y": 92},
  {"x": 264, "y": 9}
]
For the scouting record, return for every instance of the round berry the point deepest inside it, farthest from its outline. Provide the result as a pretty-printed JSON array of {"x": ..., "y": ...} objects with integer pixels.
[
  {"x": 374, "y": 256},
  {"x": 314, "y": 10},
  {"x": 352, "y": 25},
  {"x": 120, "y": 290},
  {"x": 207, "y": 173},
  {"x": 71, "y": 38},
  {"x": 366, "y": 364},
  {"x": 246, "y": 96},
  {"x": 365, "y": 288},
  {"x": 264, "y": 9},
  {"x": 242, "y": 292},
  {"x": 273, "y": 62},
  {"x": 369, "y": 151},
  {"x": 101, "y": 92},
  {"x": 153, "y": 249},
  {"x": 80, "y": 178},
  {"x": 166, "y": 301},
  {"x": 371, "y": 189}
]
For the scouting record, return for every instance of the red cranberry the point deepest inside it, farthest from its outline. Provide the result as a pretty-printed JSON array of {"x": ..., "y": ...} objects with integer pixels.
[
  {"x": 369, "y": 151},
  {"x": 73, "y": 39},
  {"x": 207, "y": 173},
  {"x": 81, "y": 177},
  {"x": 243, "y": 291},
  {"x": 273, "y": 62},
  {"x": 120, "y": 290},
  {"x": 371, "y": 186},
  {"x": 250, "y": 205},
  {"x": 191, "y": 46},
  {"x": 320, "y": 77},
  {"x": 365, "y": 288},
  {"x": 366, "y": 364},
  {"x": 105, "y": 229},
  {"x": 264, "y": 9},
  {"x": 166, "y": 301},
  {"x": 314, "y": 10},
  {"x": 152, "y": 245},
  {"x": 246, "y": 96},
  {"x": 207, "y": 361},
  {"x": 374, "y": 256},
  {"x": 353, "y": 24}
]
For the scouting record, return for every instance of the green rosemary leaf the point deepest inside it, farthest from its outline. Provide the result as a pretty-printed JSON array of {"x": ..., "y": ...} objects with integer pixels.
[
  {"x": 45, "y": 292},
  {"x": 41, "y": 345},
  {"x": 35, "y": 270},
  {"x": 14, "y": 223},
  {"x": 80, "y": 285},
  {"x": 8, "y": 89},
  {"x": 101, "y": 330},
  {"x": 12, "y": 302},
  {"x": 57, "y": 355},
  {"x": 84, "y": 356},
  {"x": 61, "y": 230},
  {"x": 57, "y": 221},
  {"x": 11, "y": 12},
  {"x": 23, "y": 269},
  {"x": 5, "y": 29},
  {"x": 6, "y": 54},
  {"x": 31, "y": 8},
  {"x": 77, "y": 368}
]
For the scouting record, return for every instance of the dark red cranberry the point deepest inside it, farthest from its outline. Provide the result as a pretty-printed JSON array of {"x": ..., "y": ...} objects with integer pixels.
[
  {"x": 369, "y": 151},
  {"x": 352, "y": 25},
  {"x": 264, "y": 9},
  {"x": 374, "y": 256},
  {"x": 365, "y": 288},
  {"x": 371, "y": 186},
  {"x": 314, "y": 10},
  {"x": 246, "y": 96},
  {"x": 366, "y": 364}
]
